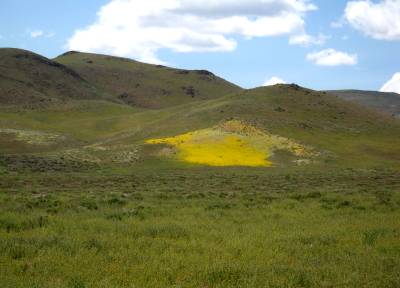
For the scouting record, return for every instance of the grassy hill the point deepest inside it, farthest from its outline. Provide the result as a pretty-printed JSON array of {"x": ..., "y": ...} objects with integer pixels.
[
  {"x": 385, "y": 102},
  {"x": 144, "y": 85},
  {"x": 342, "y": 133}
]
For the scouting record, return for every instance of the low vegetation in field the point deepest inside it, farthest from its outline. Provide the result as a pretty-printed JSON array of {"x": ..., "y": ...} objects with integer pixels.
[
  {"x": 232, "y": 143},
  {"x": 33, "y": 137},
  {"x": 119, "y": 154},
  {"x": 200, "y": 228}
]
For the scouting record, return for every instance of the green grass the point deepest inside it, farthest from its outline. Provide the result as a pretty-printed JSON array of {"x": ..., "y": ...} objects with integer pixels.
[{"x": 201, "y": 228}]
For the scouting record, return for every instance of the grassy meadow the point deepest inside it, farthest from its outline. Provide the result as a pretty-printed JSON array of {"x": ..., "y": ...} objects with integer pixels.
[{"x": 200, "y": 227}]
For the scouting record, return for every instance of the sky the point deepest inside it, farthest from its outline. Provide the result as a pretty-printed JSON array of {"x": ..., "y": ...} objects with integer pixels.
[{"x": 319, "y": 44}]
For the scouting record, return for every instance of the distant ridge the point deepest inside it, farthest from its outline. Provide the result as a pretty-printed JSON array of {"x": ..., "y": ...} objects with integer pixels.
[{"x": 385, "y": 102}]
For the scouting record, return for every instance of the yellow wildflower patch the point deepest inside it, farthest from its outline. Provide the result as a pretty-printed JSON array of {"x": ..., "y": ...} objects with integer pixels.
[{"x": 232, "y": 143}]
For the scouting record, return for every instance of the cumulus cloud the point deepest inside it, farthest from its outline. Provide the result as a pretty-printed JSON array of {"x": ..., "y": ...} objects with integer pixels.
[
  {"x": 139, "y": 29},
  {"x": 331, "y": 57},
  {"x": 36, "y": 33},
  {"x": 379, "y": 20},
  {"x": 393, "y": 85},
  {"x": 273, "y": 81}
]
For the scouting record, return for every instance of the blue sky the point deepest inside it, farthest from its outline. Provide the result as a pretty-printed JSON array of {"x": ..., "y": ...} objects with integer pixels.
[{"x": 343, "y": 44}]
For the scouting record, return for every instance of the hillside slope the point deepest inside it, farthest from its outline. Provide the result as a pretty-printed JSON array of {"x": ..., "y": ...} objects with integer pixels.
[
  {"x": 114, "y": 110},
  {"x": 385, "y": 102},
  {"x": 341, "y": 133},
  {"x": 144, "y": 85},
  {"x": 30, "y": 80}
]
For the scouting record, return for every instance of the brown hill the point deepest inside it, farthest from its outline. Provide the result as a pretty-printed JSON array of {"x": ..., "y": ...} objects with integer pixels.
[
  {"x": 31, "y": 80},
  {"x": 145, "y": 85}
]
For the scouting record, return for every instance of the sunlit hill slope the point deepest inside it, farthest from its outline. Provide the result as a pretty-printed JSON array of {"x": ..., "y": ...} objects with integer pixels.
[{"x": 99, "y": 110}]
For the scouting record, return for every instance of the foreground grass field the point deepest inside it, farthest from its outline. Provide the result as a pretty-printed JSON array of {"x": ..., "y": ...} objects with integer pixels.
[{"x": 201, "y": 227}]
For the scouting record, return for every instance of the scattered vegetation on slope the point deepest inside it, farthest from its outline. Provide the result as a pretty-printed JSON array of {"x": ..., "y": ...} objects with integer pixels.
[{"x": 33, "y": 137}]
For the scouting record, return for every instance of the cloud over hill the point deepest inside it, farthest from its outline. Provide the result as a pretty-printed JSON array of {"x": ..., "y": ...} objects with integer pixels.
[
  {"x": 331, "y": 57},
  {"x": 393, "y": 85},
  {"x": 139, "y": 29},
  {"x": 273, "y": 81}
]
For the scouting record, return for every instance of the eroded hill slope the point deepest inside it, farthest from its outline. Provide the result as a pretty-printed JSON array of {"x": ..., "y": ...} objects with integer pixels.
[
  {"x": 30, "y": 80},
  {"x": 144, "y": 85}
]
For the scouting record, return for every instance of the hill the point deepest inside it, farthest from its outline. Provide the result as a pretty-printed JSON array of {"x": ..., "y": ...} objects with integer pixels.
[
  {"x": 144, "y": 85},
  {"x": 30, "y": 80},
  {"x": 105, "y": 107},
  {"x": 343, "y": 133},
  {"x": 382, "y": 101},
  {"x": 337, "y": 132}
]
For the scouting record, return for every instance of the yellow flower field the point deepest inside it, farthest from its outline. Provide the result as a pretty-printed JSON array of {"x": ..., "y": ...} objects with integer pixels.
[{"x": 232, "y": 143}]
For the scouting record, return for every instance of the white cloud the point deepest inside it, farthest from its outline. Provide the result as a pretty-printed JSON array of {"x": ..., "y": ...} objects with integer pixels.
[
  {"x": 307, "y": 40},
  {"x": 36, "y": 33},
  {"x": 139, "y": 29},
  {"x": 273, "y": 81},
  {"x": 393, "y": 85},
  {"x": 331, "y": 57},
  {"x": 337, "y": 24},
  {"x": 50, "y": 35},
  {"x": 379, "y": 20}
]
